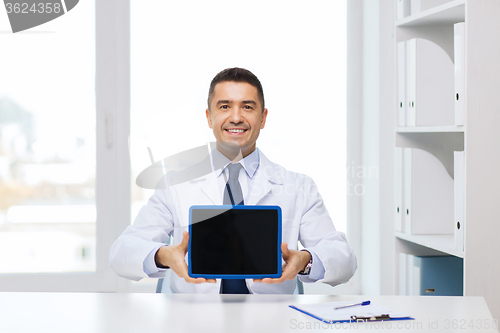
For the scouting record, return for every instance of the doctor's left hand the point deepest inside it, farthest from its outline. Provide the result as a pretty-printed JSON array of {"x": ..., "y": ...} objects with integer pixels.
[
  {"x": 172, "y": 256},
  {"x": 295, "y": 261}
]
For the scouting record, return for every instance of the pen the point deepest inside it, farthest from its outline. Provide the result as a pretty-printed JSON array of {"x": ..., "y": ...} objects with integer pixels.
[{"x": 348, "y": 306}]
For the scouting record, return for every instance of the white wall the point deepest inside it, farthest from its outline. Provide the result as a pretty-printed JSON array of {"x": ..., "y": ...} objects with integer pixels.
[{"x": 371, "y": 136}]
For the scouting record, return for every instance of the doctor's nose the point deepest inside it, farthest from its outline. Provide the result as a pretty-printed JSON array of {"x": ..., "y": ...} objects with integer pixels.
[{"x": 236, "y": 116}]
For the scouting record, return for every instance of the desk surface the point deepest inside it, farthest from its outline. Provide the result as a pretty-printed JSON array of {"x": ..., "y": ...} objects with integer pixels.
[{"x": 108, "y": 313}]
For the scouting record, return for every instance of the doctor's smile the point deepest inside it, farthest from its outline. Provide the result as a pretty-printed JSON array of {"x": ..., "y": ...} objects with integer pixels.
[{"x": 236, "y": 131}]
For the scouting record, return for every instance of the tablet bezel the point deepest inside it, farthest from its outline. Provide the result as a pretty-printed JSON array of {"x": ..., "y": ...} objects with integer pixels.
[{"x": 237, "y": 276}]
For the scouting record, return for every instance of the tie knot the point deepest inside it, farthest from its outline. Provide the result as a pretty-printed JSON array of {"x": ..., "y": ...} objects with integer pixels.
[{"x": 234, "y": 170}]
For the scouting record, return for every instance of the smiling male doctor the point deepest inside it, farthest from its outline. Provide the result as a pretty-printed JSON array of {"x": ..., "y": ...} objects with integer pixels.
[{"x": 236, "y": 114}]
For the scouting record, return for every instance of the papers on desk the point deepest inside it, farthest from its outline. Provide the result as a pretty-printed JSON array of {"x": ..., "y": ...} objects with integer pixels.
[{"x": 326, "y": 312}]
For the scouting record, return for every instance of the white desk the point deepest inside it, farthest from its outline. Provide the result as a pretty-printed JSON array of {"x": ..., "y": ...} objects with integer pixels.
[{"x": 150, "y": 313}]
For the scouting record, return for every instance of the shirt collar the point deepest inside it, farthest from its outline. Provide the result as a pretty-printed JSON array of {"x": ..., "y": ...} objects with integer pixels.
[{"x": 250, "y": 162}]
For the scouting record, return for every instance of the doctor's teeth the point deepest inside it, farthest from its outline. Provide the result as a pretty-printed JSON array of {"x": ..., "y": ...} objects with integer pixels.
[{"x": 236, "y": 131}]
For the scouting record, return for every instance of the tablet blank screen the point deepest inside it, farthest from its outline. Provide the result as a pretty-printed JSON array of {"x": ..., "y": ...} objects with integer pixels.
[{"x": 235, "y": 241}]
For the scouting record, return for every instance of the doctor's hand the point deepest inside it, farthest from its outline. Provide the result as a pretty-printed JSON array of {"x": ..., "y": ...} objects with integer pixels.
[
  {"x": 295, "y": 261},
  {"x": 172, "y": 257}
]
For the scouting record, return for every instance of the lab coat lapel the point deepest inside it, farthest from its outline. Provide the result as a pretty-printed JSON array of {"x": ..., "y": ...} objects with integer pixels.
[
  {"x": 210, "y": 188},
  {"x": 266, "y": 176}
]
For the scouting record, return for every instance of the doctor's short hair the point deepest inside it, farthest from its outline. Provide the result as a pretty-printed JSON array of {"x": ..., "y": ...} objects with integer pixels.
[{"x": 236, "y": 75}]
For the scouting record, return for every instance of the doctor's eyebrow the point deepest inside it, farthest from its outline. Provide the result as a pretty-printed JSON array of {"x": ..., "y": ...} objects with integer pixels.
[
  {"x": 226, "y": 101},
  {"x": 223, "y": 101}
]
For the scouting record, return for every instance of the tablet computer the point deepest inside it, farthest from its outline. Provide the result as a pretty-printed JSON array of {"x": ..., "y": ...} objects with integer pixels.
[{"x": 234, "y": 242}]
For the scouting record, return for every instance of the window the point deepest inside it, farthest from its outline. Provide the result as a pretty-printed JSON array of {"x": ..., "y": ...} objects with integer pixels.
[
  {"x": 70, "y": 134},
  {"x": 48, "y": 146}
]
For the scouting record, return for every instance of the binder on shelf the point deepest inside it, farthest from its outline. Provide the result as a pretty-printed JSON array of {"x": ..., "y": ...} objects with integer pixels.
[
  {"x": 428, "y": 194},
  {"x": 429, "y": 84},
  {"x": 438, "y": 276},
  {"x": 418, "y": 6},
  {"x": 459, "y": 50},
  {"x": 459, "y": 189},
  {"x": 410, "y": 79},
  {"x": 412, "y": 275},
  {"x": 401, "y": 107},
  {"x": 403, "y": 9},
  {"x": 398, "y": 189},
  {"x": 402, "y": 274},
  {"x": 407, "y": 200},
  {"x": 415, "y": 7}
]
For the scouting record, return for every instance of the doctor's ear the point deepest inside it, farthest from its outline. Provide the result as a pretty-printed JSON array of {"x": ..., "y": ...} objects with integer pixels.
[{"x": 209, "y": 117}]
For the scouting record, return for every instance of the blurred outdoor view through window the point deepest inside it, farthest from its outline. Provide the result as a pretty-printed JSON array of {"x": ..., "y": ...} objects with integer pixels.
[{"x": 47, "y": 146}]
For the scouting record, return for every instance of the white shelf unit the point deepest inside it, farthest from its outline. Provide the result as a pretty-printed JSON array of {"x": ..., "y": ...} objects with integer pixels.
[
  {"x": 435, "y": 24},
  {"x": 478, "y": 137}
]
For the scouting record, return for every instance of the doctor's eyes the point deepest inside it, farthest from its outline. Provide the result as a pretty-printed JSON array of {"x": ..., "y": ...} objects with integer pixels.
[{"x": 245, "y": 107}]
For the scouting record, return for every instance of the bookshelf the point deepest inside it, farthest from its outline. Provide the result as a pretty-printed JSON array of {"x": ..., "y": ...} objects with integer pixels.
[
  {"x": 478, "y": 137},
  {"x": 419, "y": 39}
]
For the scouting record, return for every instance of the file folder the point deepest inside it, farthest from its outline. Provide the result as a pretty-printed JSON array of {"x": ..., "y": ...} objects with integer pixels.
[
  {"x": 428, "y": 194},
  {"x": 407, "y": 186},
  {"x": 326, "y": 312},
  {"x": 438, "y": 276},
  {"x": 401, "y": 107},
  {"x": 429, "y": 84},
  {"x": 398, "y": 189},
  {"x": 403, "y": 9},
  {"x": 411, "y": 81},
  {"x": 412, "y": 276},
  {"x": 415, "y": 7},
  {"x": 418, "y": 6},
  {"x": 459, "y": 188},
  {"x": 459, "y": 50},
  {"x": 402, "y": 274}
]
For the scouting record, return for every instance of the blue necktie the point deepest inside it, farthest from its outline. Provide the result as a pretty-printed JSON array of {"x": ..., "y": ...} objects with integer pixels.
[{"x": 233, "y": 196}]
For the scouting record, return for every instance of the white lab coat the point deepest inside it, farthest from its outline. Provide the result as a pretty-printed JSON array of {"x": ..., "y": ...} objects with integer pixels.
[{"x": 304, "y": 215}]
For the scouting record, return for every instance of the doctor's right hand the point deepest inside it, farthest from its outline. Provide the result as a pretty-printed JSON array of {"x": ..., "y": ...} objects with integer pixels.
[{"x": 172, "y": 257}]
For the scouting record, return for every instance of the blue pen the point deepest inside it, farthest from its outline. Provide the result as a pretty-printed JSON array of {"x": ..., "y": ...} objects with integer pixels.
[{"x": 357, "y": 304}]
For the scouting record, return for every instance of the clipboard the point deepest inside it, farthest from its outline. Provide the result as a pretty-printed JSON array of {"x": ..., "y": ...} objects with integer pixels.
[{"x": 326, "y": 312}]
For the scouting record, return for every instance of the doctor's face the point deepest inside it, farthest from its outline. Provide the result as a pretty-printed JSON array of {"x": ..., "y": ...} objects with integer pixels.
[{"x": 236, "y": 117}]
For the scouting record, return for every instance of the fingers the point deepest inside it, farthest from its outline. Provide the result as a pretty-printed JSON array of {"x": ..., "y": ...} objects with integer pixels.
[
  {"x": 287, "y": 274},
  {"x": 284, "y": 249},
  {"x": 290, "y": 269},
  {"x": 182, "y": 271},
  {"x": 185, "y": 240},
  {"x": 180, "y": 267},
  {"x": 199, "y": 280}
]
